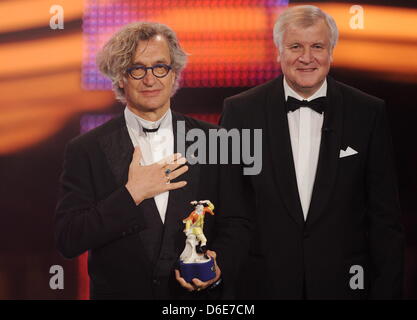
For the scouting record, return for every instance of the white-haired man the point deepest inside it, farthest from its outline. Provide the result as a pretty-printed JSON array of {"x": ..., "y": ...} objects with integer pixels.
[{"x": 325, "y": 207}]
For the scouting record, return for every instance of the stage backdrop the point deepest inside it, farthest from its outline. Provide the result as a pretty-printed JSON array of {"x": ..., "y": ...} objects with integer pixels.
[{"x": 51, "y": 91}]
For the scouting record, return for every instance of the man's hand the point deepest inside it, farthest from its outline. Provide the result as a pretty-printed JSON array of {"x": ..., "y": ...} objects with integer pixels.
[
  {"x": 145, "y": 182},
  {"x": 196, "y": 284}
]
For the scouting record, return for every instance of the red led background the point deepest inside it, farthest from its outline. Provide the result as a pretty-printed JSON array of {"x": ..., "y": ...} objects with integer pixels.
[{"x": 229, "y": 41}]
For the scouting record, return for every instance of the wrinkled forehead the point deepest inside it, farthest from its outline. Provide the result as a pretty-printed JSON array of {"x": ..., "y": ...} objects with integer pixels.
[{"x": 307, "y": 31}]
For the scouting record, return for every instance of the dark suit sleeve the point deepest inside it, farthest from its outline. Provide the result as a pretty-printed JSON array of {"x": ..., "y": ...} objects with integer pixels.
[
  {"x": 233, "y": 221},
  {"x": 386, "y": 234},
  {"x": 82, "y": 222}
]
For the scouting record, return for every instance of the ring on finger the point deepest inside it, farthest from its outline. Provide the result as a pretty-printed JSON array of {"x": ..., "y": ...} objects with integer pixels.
[
  {"x": 167, "y": 172},
  {"x": 168, "y": 180}
]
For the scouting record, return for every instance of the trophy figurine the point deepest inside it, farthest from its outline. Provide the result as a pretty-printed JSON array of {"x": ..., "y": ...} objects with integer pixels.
[{"x": 194, "y": 262}]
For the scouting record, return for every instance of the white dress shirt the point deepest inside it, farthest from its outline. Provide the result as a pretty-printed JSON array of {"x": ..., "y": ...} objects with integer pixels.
[
  {"x": 305, "y": 127},
  {"x": 154, "y": 146}
]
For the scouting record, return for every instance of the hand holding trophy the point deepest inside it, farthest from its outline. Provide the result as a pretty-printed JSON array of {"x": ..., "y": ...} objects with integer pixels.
[{"x": 197, "y": 264}]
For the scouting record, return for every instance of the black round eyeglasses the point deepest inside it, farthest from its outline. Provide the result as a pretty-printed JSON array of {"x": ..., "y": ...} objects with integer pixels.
[{"x": 159, "y": 70}]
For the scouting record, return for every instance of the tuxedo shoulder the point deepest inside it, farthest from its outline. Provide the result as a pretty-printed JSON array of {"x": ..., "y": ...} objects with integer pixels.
[
  {"x": 91, "y": 137},
  {"x": 246, "y": 99},
  {"x": 195, "y": 123},
  {"x": 357, "y": 98}
]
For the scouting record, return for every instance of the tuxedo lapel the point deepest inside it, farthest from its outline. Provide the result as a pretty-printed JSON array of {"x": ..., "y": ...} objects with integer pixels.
[
  {"x": 281, "y": 151},
  {"x": 329, "y": 152},
  {"x": 118, "y": 149},
  {"x": 179, "y": 199}
]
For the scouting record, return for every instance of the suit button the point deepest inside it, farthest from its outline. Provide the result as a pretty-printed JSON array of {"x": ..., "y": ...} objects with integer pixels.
[
  {"x": 156, "y": 282},
  {"x": 306, "y": 235},
  {"x": 124, "y": 234}
]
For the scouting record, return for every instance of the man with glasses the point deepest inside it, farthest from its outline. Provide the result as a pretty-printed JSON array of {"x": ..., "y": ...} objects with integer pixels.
[{"x": 124, "y": 189}]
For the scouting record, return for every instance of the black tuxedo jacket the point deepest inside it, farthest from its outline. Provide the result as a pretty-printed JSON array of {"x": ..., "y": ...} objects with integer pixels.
[
  {"x": 354, "y": 215},
  {"x": 132, "y": 254}
]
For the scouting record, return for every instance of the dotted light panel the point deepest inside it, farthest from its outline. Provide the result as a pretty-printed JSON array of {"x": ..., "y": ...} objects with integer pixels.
[{"x": 229, "y": 42}]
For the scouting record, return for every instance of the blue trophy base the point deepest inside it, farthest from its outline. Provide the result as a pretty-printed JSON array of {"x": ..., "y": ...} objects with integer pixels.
[{"x": 203, "y": 271}]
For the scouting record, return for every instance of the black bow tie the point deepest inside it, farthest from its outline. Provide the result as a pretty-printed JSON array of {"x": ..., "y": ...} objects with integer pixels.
[
  {"x": 146, "y": 130},
  {"x": 317, "y": 105}
]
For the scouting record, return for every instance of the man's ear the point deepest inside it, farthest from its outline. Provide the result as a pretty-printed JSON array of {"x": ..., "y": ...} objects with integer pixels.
[
  {"x": 278, "y": 56},
  {"x": 121, "y": 83}
]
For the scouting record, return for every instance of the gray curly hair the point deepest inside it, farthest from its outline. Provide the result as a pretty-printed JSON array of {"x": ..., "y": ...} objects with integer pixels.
[
  {"x": 117, "y": 54},
  {"x": 304, "y": 16}
]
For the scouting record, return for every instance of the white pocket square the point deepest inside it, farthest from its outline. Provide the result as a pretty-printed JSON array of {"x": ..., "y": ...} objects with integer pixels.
[{"x": 348, "y": 152}]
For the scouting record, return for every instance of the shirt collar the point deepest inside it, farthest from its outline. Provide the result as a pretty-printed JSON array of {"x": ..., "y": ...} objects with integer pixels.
[
  {"x": 321, "y": 92},
  {"x": 136, "y": 123}
]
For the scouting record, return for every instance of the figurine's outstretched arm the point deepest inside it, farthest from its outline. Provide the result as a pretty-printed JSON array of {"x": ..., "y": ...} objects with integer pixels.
[{"x": 209, "y": 210}]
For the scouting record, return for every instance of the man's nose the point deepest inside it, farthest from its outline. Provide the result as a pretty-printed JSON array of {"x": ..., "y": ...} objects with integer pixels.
[
  {"x": 149, "y": 79},
  {"x": 307, "y": 56}
]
